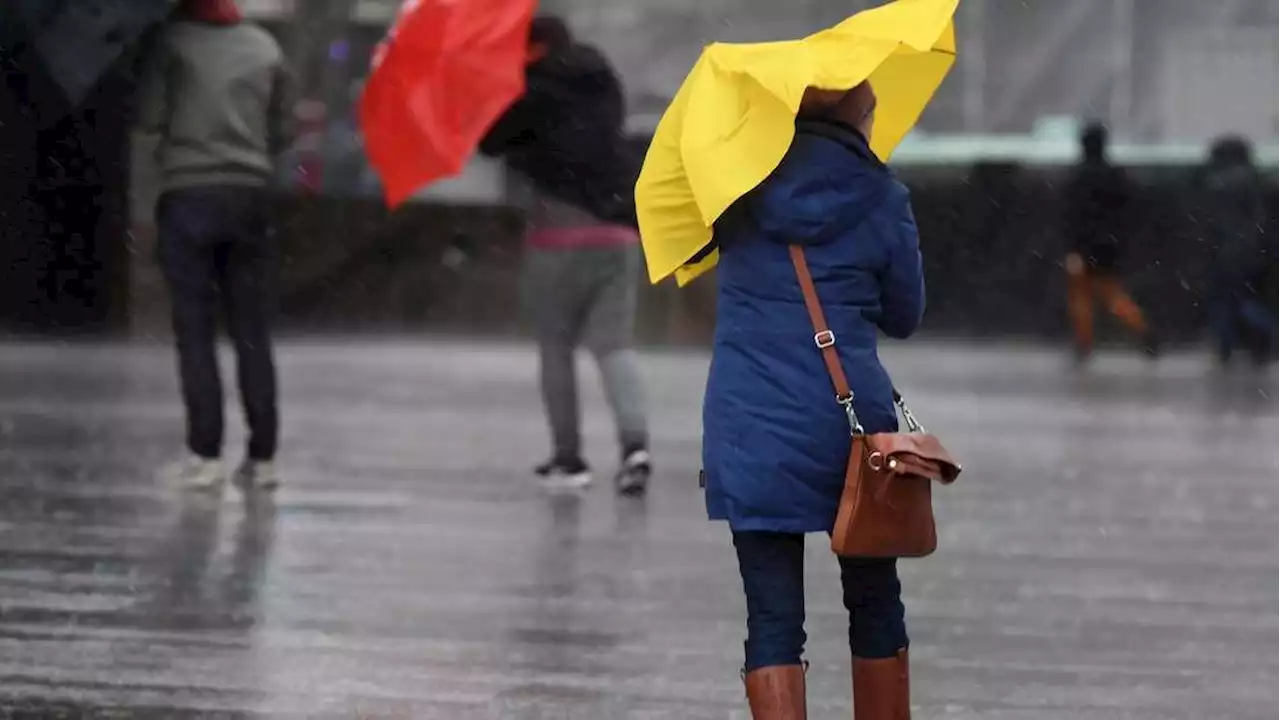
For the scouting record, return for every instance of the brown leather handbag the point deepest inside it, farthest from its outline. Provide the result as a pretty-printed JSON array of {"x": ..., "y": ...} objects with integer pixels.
[{"x": 886, "y": 508}]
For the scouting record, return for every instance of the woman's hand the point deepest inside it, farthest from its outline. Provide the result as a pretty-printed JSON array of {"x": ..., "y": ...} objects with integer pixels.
[{"x": 1074, "y": 264}]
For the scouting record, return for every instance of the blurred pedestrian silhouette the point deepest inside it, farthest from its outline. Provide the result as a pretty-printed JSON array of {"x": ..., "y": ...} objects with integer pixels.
[
  {"x": 570, "y": 166},
  {"x": 1242, "y": 262},
  {"x": 216, "y": 96},
  {"x": 1096, "y": 203}
]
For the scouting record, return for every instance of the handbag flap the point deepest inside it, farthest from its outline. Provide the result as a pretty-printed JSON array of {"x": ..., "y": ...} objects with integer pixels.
[{"x": 915, "y": 454}]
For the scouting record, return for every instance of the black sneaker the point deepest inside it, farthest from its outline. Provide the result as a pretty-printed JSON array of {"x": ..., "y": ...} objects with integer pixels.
[
  {"x": 1151, "y": 346},
  {"x": 1261, "y": 351},
  {"x": 633, "y": 475},
  {"x": 1080, "y": 355},
  {"x": 564, "y": 473}
]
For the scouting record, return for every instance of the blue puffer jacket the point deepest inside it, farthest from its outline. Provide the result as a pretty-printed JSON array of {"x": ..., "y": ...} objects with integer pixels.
[{"x": 775, "y": 442}]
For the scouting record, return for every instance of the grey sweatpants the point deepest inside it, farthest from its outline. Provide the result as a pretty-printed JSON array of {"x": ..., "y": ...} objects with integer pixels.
[{"x": 586, "y": 297}]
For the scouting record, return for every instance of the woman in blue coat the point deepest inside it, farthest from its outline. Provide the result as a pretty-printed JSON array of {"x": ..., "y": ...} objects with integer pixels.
[{"x": 776, "y": 442}]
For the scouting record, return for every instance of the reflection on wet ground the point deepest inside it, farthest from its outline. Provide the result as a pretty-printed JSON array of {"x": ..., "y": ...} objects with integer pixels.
[{"x": 1109, "y": 553}]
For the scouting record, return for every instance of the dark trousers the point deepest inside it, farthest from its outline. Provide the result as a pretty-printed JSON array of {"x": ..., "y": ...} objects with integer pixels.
[
  {"x": 586, "y": 296},
  {"x": 1235, "y": 311},
  {"x": 215, "y": 251},
  {"x": 772, "y": 567},
  {"x": 1086, "y": 286}
]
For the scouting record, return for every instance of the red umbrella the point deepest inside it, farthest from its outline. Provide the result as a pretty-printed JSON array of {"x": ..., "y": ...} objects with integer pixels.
[{"x": 445, "y": 73}]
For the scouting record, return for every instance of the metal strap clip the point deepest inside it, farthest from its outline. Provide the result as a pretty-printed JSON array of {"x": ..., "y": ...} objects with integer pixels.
[
  {"x": 855, "y": 427},
  {"x": 913, "y": 425},
  {"x": 824, "y": 339}
]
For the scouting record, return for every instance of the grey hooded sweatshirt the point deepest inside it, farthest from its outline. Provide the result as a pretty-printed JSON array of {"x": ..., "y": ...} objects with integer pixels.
[{"x": 218, "y": 98}]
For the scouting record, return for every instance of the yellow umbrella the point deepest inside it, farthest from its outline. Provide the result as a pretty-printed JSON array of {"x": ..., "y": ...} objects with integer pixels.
[{"x": 733, "y": 119}]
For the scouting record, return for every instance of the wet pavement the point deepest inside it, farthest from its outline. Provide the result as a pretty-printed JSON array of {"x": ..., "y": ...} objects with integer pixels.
[{"x": 1109, "y": 553}]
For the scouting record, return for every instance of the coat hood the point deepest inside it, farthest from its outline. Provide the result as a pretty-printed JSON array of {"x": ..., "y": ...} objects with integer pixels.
[{"x": 828, "y": 182}]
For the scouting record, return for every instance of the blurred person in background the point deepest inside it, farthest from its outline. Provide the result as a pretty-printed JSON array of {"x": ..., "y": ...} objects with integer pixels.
[
  {"x": 215, "y": 96},
  {"x": 1237, "y": 217},
  {"x": 1096, "y": 205},
  {"x": 775, "y": 445},
  {"x": 570, "y": 167}
]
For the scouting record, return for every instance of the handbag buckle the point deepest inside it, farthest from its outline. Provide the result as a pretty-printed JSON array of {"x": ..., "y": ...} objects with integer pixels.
[{"x": 824, "y": 339}]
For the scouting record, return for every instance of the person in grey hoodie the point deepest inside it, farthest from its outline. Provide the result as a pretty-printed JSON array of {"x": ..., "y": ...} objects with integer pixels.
[{"x": 216, "y": 97}]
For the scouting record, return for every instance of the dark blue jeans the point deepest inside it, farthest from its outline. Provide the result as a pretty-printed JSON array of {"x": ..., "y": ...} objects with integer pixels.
[
  {"x": 772, "y": 567},
  {"x": 1236, "y": 311},
  {"x": 216, "y": 254}
]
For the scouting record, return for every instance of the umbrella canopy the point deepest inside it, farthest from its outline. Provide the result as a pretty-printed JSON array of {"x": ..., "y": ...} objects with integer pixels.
[
  {"x": 447, "y": 70},
  {"x": 733, "y": 119}
]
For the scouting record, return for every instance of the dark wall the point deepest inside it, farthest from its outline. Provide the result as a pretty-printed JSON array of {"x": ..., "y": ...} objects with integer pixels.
[
  {"x": 349, "y": 266},
  {"x": 991, "y": 240},
  {"x": 990, "y": 235},
  {"x": 63, "y": 223},
  {"x": 993, "y": 246}
]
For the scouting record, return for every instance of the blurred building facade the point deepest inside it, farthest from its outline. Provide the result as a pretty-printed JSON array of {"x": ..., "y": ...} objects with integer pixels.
[
  {"x": 1166, "y": 75},
  {"x": 1156, "y": 70},
  {"x": 1159, "y": 71}
]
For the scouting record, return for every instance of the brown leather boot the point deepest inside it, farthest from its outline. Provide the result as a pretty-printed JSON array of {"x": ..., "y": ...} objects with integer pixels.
[
  {"x": 776, "y": 693},
  {"x": 881, "y": 688}
]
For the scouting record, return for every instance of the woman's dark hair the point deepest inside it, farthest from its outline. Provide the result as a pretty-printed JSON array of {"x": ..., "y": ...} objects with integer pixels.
[
  {"x": 850, "y": 106},
  {"x": 1093, "y": 141},
  {"x": 1230, "y": 151},
  {"x": 551, "y": 31}
]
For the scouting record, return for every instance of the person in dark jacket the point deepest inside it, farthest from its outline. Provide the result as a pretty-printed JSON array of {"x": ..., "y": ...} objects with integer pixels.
[
  {"x": 566, "y": 134},
  {"x": 1096, "y": 204},
  {"x": 215, "y": 98},
  {"x": 775, "y": 441},
  {"x": 1237, "y": 218},
  {"x": 570, "y": 169}
]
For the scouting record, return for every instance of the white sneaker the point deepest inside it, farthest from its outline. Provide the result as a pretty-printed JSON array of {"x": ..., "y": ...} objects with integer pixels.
[
  {"x": 194, "y": 473},
  {"x": 564, "y": 474},
  {"x": 257, "y": 475},
  {"x": 633, "y": 475}
]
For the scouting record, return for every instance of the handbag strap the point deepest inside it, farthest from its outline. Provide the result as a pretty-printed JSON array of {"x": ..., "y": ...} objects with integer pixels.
[{"x": 824, "y": 338}]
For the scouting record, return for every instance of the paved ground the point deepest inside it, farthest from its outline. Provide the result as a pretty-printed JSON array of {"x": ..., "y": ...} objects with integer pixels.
[{"x": 1110, "y": 552}]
